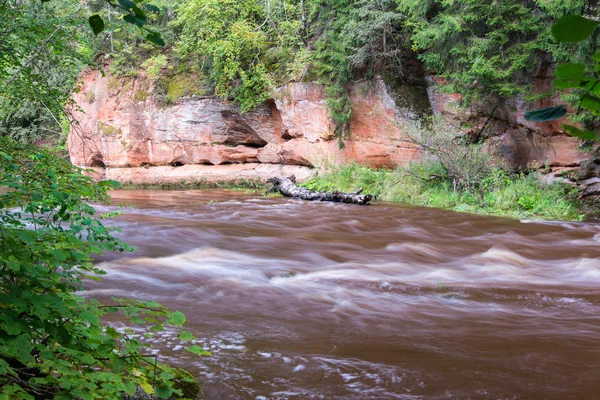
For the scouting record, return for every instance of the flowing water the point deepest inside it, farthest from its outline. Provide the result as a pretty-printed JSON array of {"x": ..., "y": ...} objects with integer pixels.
[{"x": 301, "y": 300}]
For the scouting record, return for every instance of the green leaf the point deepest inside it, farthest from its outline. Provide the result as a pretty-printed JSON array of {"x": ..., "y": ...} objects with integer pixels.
[
  {"x": 578, "y": 133},
  {"x": 177, "y": 318},
  {"x": 90, "y": 317},
  {"x": 13, "y": 265},
  {"x": 566, "y": 84},
  {"x": 573, "y": 28},
  {"x": 596, "y": 57},
  {"x": 155, "y": 38},
  {"x": 152, "y": 8},
  {"x": 96, "y": 23},
  {"x": 195, "y": 349},
  {"x": 146, "y": 387},
  {"x": 570, "y": 71},
  {"x": 546, "y": 114},
  {"x": 591, "y": 103},
  {"x": 163, "y": 392},
  {"x": 185, "y": 336},
  {"x": 112, "y": 332},
  {"x": 4, "y": 367},
  {"x": 127, "y": 4},
  {"x": 134, "y": 20},
  {"x": 26, "y": 236}
]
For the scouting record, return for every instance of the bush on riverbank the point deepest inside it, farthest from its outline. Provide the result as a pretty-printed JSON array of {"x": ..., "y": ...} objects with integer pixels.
[
  {"x": 500, "y": 193},
  {"x": 55, "y": 343}
]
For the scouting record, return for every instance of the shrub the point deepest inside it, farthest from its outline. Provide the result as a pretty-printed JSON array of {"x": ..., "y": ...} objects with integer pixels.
[
  {"x": 155, "y": 65},
  {"x": 422, "y": 183},
  {"x": 52, "y": 341},
  {"x": 466, "y": 164}
]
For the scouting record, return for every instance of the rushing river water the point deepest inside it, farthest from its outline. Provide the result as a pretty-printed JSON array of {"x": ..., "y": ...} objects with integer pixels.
[{"x": 301, "y": 300}]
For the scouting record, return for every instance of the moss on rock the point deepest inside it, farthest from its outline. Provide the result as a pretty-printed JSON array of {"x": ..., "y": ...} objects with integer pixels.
[
  {"x": 107, "y": 129},
  {"x": 178, "y": 86},
  {"x": 189, "y": 386},
  {"x": 183, "y": 380}
]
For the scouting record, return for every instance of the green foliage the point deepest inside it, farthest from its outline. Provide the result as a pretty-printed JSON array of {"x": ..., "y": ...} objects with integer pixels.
[
  {"x": 52, "y": 341},
  {"x": 574, "y": 29},
  {"x": 134, "y": 13},
  {"x": 179, "y": 85},
  {"x": 486, "y": 51},
  {"x": 226, "y": 35},
  {"x": 466, "y": 164},
  {"x": 124, "y": 44},
  {"x": 44, "y": 45},
  {"x": 155, "y": 65},
  {"x": 516, "y": 196},
  {"x": 457, "y": 175},
  {"x": 247, "y": 47},
  {"x": 42, "y": 49},
  {"x": 361, "y": 35}
]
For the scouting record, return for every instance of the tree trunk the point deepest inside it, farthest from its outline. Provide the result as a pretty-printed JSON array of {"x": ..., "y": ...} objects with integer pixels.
[{"x": 287, "y": 187}]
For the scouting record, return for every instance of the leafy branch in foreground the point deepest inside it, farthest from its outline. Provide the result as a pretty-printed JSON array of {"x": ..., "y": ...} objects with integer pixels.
[
  {"x": 135, "y": 13},
  {"x": 574, "y": 29},
  {"x": 52, "y": 341}
]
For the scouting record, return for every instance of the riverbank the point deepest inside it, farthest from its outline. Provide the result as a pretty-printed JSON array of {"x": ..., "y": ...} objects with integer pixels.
[
  {"x": 249, "y": 185},
  {"x": 518, "y": 196}
]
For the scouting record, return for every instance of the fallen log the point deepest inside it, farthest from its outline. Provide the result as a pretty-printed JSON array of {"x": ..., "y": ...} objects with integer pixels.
[{"x": 287, "y": 187}]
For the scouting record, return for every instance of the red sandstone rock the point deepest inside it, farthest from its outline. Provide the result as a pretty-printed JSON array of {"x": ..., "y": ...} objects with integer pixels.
[
  {"x": 523, "y": 144},
  {"x": 122, "y": 126}
]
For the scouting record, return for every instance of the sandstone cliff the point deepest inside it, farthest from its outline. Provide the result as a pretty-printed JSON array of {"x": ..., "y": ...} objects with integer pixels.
[
  {"x": 123, "y": 131},
  {"x": 127, "y": 135}
]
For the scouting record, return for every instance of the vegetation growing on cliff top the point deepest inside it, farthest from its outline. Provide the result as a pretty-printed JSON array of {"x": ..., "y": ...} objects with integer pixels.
[
  {"x": 486, "y": 53},
  {"x": 488, "y": 50}
]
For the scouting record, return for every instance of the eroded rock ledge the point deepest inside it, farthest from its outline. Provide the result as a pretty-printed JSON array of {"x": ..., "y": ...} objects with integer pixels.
[{"x": 201, "y": 173}]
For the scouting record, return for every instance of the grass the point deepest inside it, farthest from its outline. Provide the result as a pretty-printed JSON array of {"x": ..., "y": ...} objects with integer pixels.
[
  {"x": 499, "y": 193},
  {"x": 510, "y": 195}
]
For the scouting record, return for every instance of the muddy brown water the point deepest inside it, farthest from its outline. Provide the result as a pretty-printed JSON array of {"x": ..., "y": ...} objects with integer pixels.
[{"x": 300, "y": 300}]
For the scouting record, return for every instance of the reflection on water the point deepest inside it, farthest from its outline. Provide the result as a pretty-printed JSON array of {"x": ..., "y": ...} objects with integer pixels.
[{"x": 300, "y": 300}]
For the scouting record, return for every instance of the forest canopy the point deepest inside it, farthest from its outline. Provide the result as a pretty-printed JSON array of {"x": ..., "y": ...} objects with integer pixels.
[{"x": 240, "y": 50}]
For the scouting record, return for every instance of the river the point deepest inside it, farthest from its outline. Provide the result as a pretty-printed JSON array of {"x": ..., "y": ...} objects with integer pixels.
[{"x": 301, "y": 300}]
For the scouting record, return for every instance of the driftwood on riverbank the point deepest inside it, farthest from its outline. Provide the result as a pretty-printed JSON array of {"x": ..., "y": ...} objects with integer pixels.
[{"x": 287, "y": 187}]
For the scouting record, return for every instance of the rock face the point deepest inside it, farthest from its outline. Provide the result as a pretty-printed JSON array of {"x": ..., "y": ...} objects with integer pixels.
[
  {"x": 121, "y": 126},
  {"x": 523, "y": 144},
  {"x": 125, "y": 133},
  {"x": 124, "y": 127}
]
